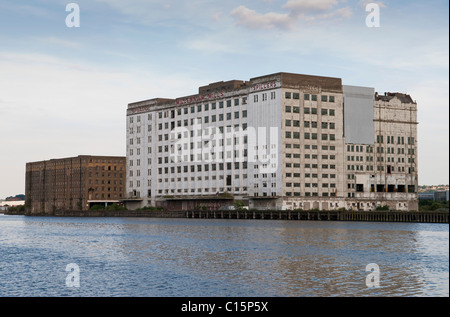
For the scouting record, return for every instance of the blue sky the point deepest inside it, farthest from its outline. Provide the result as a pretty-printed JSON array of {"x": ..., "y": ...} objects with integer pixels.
[{"x": 64, "y": 91}]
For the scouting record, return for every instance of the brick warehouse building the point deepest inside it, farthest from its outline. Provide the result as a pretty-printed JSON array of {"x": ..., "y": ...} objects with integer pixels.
[
  {"x": 281, "y": 141},
  {"x": 74, "y": 183}
]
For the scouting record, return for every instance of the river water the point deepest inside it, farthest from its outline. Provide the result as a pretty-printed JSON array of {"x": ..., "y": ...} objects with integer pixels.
[{"x": 148, "y": 257}]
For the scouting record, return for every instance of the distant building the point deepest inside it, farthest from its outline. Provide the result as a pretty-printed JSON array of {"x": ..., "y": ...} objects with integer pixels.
[
  {"x": 435, "y": 195},
  {"x": 280, "y": 141},
  {"x": 74, "y": 183},
  {"x": 5, "y": 204}
]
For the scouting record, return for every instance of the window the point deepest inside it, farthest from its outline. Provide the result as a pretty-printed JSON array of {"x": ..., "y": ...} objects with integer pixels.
[
  {"x": 287, "y": 95},
  {"x": 324, "y": 98},
  {"x": 296, "y": 95},
  {"x": 314, "y": 97},
  {"x": 331, "y": 99},
  {"x": 288, "y": 109},
  {"x": 306, "y": 96},
  {"x": 324, "y": 112},
  {"x": 331, "y": 112},
  {"x": 307, "y": 110},
  {"x": 296, "y": 109}
]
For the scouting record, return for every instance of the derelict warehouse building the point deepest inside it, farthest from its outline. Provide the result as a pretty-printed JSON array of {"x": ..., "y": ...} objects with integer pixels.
[{"x": 280, "y": 141}]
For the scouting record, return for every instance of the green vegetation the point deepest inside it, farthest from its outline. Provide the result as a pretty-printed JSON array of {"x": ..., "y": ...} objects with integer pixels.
[
  {"x": 381, "y": 208},
  {"x": 150, "y": 208},
  {"x": 430, "y": 205},
  {"x": 239, "y": 204},
  {"x": 20, "y": 208}
]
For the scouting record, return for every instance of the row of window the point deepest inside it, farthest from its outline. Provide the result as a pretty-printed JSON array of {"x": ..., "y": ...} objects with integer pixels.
[
  {"x": 379, "y": 149},
  {"x": 380, "y": 168},
  {"x": 308, "y": 110},
  {"x": 311, "y": 156},
  {"x": 390, "y": 139},
  {"x": 237, "y": 176},
  {"x": 204, "y": 168},
  {"x": 295, "y": 95},
  {"x": 313, "y": 166},
  {"x": 310, "y": 147},
  {"x": 314, "y": 185},
  {"x": 391, "y": 150},
  {"x": 310, "y": 124},
  {"x": 206, "y": 119},
  {"x": 264, "y": 96},
  {"x": 96, "y": 181},
  {"x": 193, "y": 109},
  {"x": 309, "y": 194},
  {"x": 310, "y": 136}
]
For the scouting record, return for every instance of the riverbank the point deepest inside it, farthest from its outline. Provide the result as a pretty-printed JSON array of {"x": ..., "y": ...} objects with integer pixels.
[{"x": 367, "y": 216}]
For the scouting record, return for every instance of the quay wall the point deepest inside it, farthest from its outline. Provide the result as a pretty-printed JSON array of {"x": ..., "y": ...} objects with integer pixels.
[{"x": 366, "y": 216}]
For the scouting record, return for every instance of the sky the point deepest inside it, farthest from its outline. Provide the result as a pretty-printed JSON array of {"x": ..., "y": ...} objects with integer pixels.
[{"x": 64, "y": 90}]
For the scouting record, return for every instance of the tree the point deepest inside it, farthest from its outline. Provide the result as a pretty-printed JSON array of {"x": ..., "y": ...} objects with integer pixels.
[{"x": 239, "y": 204}]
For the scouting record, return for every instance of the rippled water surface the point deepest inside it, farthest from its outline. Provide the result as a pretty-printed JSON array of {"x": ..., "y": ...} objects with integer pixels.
[{"x": 196, "y": 257}]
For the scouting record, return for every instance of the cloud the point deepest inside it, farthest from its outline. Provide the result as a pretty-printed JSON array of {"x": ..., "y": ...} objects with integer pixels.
[
  {"x": 254, "y": 20},
  {"x": 306, "y": 10},
  {"x": 309, "y": 6}
]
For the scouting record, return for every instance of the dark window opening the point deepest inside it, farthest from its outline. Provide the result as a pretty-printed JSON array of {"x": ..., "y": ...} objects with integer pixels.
[
  {"x": 228, "y": 180},
  {"x": 360, "y": 188},
  {"x": 380, "y": 188}
]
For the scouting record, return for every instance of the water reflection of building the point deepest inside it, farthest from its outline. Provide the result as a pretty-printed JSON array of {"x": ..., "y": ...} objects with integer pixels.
[{"x": 74, "y": 183}]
